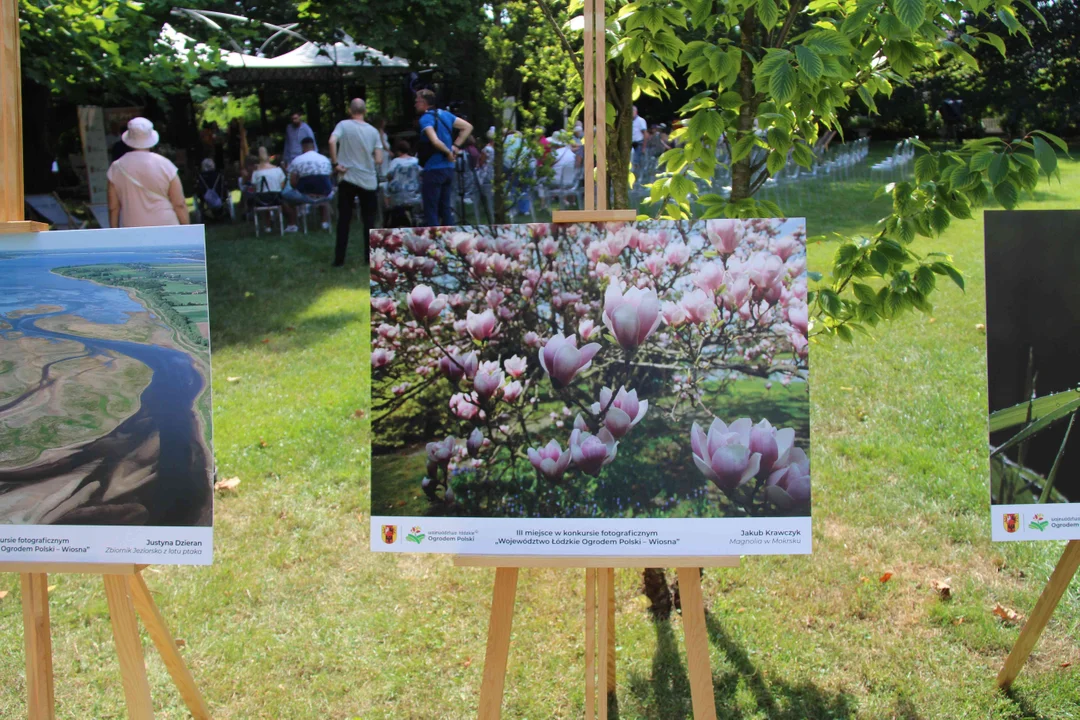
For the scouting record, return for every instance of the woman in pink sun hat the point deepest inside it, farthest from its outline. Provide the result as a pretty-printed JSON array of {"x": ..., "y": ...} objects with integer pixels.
[{"x": 144, "y": 187}]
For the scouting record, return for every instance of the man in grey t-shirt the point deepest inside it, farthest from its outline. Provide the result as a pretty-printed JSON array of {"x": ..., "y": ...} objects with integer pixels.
[{"x": 356, "y": 151}]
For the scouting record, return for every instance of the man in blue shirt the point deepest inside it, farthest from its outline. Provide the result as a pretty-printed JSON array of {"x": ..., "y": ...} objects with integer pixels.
[
  {"x": 436, "y": 128},
  {"x": 295, "y": 132}
]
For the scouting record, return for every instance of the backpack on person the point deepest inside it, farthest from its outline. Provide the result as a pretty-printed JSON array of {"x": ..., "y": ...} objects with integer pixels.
[{"x": 426, "y": 149}]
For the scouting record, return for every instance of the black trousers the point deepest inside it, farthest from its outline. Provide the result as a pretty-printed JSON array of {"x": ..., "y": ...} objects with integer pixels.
[{"x": 368, "y": 206}]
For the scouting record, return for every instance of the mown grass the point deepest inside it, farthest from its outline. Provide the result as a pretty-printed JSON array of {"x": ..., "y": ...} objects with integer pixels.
[{"x": 296, "y": 619}]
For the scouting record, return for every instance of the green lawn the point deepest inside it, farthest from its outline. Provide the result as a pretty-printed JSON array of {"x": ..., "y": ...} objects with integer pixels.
[{"x": 297, "y": 620}]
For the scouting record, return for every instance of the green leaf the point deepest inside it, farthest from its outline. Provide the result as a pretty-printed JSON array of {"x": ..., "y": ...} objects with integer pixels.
[
  {"x": 995, "y": 40},
  {"x": 809, "y": 62},
  {"x": 865, "y": 293},
  {"x": 940, "y": 219},
  {"x": 1008, "y": 19},
  {"x": 981, "y": 160},
  {"x": 867, "y": 99},
  {"x": 779, "y": 139},
  {"x": 844, "y": 333},
  {"x": 773, "y": 59},
  {"x": 731, "y": 100},
  {"x": 1045, "y": 155},
  {"x": 768, "y": 13},
  {"x": 1007, "y": 194},
  {"x": 1054, "y": 139},
  {"x": 775, "y": 162},
  {"x": 803, "y": 155},
  {"x": 1017, "y": 414},
  {"x": 911, "y": 12},
  {"x": 925, "y": 168},
  {"x": 999, "y": 168},
  {"x": 831, "y": 303},
  {"x": 828, "y": 42},
  {"x": 879, "y": 261},
  {"x": 924, "y": 280},
  {"x": 1042, "y": 423},
  {"x": 783, "y": 83},
  {"x": 742, "y": 147},
  {"x": 707, "y": 123}
]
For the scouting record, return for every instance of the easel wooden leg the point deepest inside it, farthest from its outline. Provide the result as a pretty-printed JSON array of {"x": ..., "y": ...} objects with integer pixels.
[
  {"x": 38, "y": 639},
  {"x": 498, "y": 645},
  {"x": 590, "y": 644},
  {"x": 611, "y": 630},
  {"x": 697, "y": 644},
  {"x": 166, "y": 646},
  {"x": 128, "y": 648},
  {"x": 1040, "y": 616},
  {"x": 603, "y": 589}
]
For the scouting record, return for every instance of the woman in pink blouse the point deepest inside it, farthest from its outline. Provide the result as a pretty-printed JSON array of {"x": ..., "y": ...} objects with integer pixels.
[{"x": 144, "y": 187}]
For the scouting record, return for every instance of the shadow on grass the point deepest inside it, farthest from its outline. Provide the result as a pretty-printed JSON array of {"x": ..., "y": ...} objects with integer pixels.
[
  {"x": 667, "y": 690},
  {"x": 265, "y": 286},
  {"x": 1027, "y": 710}
]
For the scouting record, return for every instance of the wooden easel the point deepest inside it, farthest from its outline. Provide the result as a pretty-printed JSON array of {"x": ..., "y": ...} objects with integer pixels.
[
  {"x": 599, "y": 625},
  {"x": 125, "y": 589},
  {"x": 1055, "y": 587},
  {"x": 599, "y": 570}
]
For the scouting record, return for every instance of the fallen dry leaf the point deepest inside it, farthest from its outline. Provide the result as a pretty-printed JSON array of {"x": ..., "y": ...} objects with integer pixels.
[
  {"x": 467, "y": 663},
  {"x": 942, "y": 588},
  {"x": 181, "y": 642},
  {"x": 1007, "y": 614},
  {"x": 227, "y": 484},
  {"x": 885, "y": 578},
  {"x": 233, "y": 378},
  {"x": 263, "y": 443},
  {"x": 266, "y": 340},
  {"x": 933, "y": 320},
  {"x": 1066, "y": 664},
  {"x": 358, "y": 413},
  {"x": 3, "y": 594},
  {"x": 980, "y": 327},
  {"x": 50, "y": 588}
]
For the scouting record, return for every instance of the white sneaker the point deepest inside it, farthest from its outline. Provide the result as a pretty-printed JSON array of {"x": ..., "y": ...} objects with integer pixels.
[
  {"x": 292, "y": 229},
  {"x": 326, "y": 226}
]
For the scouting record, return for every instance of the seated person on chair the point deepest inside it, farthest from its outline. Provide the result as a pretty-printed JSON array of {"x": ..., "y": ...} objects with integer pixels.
[
  {"x": 269, "y": 181},
  {"x": 402, "y": 191},
  {"x": 311, "y": 182}
]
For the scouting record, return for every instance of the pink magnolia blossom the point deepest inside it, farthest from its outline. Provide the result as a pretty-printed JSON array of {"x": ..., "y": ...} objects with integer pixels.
[
  {"x": 381, "y": 358},
  {"x": 623, "y": 412},
  {"x": 674, "y": 314},
  {"x": 798, "y": 316},
  {"x": 587, "y": 328},
  {"x": 499, "y": 264},
  {"x": 474, "y": 442},
  {"x": 494, "y": 298},
  {"x": 400, "y": 389},
  {"x": 463, "y": 243},
  {"x": 388, "y": 331},
  {"x": 480, "y": 325},
  {"x": 532, "y": 339},
  {"x": 798, "y": 340},
  {"x": 699, "y": 306},
  {"x": 488, "y": 380},
  {"x": 723, "y": 236},
  {"x": 551, "y": 460},
  {"x": 655, "y": 264},
  {"x": 631, "y": 316},
  {"x": 424, "y": 305},
  {"x": 786, "y": 246},
  {"x": 562, "y": 360},
  {"x": 773, "y": 445},
  {"x": 516, "y": 366},
  {"x": 512, "y": 391},
  {"x": 417, "y": 244},
  {"x": 591, "y": 453},
  {"x": 767, "y": 274},
  {"x": 677, "y": 254},
  {"x": 710, "y": 277},
  {"x": 385, "y": 305},
  {"x": 737, "y": 291},
  {"x": 790, "y": 485},
  {"x": 533, "y": 276},
  {"x": 724, "y": 455},
  {"x": 549, "y": 247},
  {"x": 465, "y": 406}
]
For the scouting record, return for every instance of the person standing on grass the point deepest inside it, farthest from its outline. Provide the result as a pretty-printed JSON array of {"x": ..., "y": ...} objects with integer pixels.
[
  {"x": 144, "y": 187},
  {"x": 356, "y": 152},
  {"x": 437, "y": 160},
  {"x": 295, "y": 132}
]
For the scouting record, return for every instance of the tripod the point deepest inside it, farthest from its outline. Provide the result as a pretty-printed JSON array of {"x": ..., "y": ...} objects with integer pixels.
[{"x": 463, "y": 167}]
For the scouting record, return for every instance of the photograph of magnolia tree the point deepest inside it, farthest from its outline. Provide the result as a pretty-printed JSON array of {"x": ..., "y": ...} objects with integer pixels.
[
  {"x": 609, "y": 370},
  {"x": 1032, "y": 306}
]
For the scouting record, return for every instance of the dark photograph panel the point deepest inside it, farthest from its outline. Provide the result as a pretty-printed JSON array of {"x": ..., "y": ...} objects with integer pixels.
[{"x": 1033, "y": 355}]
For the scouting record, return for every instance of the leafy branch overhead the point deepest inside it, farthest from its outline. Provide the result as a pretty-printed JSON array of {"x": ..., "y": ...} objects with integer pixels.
[{"x": 773, "y": 77}]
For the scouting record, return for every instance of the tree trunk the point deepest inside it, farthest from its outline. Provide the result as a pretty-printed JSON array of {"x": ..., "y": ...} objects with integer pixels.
[
  {"x": 620, "y": 92},
  {"x": 741, "y": 175}
]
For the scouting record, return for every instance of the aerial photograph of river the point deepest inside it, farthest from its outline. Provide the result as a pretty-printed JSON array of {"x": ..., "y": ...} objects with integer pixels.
[{"x": 105, "y": 379}]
